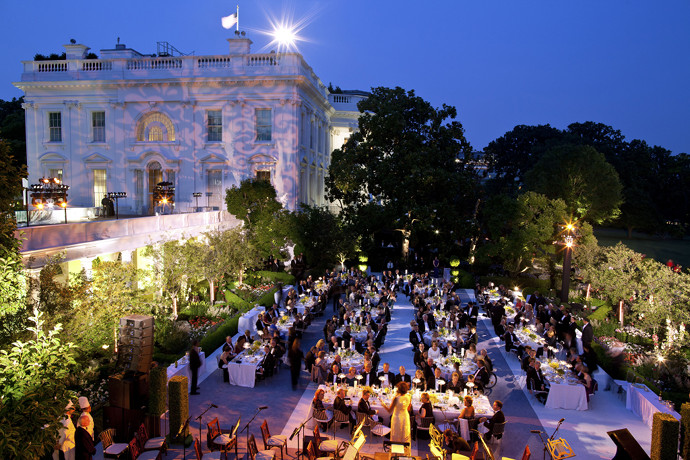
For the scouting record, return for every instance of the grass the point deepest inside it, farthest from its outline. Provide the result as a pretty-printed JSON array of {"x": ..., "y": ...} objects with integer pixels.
[{"x": 660, "y": 249}]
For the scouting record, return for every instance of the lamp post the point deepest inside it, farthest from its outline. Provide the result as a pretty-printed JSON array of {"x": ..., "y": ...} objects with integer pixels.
[
  {"x": 569, "y": 234},
  {"x": 197, "y": 195},
  {"x": 116, "y": 196}
]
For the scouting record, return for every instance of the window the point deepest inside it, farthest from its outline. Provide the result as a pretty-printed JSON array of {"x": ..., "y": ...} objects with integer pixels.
[
  {"x": 155, "y": 127},
  {"x": 55, "y": 126},
  {"x": 215, "y": 126},
  {"x": 138, "y": 189},
  {"x": 214, "y": 186},
  {"x": 55, "y": 173},
  {"x": 98, "y": 126},
  {"x": 100, "y": 187},
  {"x": 263, "y": 175},
  {"x": 263, "y": 124}
]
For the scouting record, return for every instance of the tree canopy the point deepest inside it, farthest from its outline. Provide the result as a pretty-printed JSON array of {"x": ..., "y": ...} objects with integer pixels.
[{"x": 409, "y": 160}]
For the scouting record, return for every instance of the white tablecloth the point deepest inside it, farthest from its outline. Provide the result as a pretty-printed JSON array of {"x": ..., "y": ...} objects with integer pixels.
[
  {"x": 243, "y": 374},
  {"x": 645, "y": 403},
  {"x": 567, "y": 396},
  {"x": 182, "y": 367},
  {"x": 248, "y": 320}
]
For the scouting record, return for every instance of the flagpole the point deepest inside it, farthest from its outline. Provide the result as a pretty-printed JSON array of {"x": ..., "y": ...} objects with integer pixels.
[{"x": 237, "y": 24}]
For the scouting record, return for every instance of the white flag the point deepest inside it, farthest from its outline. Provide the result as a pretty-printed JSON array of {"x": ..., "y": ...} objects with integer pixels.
[{"x": 229, "y": 21}]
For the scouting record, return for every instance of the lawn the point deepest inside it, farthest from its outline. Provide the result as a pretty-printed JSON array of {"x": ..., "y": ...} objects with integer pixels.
[{"x": 660, "y": 249}]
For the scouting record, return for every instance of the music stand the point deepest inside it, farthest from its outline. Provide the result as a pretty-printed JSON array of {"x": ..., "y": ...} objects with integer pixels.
[
  {"x": 181, "y": 432},
  {"x": 559, "y": 449},
  {"x": 487, "y": 449},
  {"x": 299, "y": 452}
]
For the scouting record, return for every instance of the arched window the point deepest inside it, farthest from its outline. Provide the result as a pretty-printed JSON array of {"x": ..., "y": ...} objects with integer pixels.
[{"x": 155, "y": 127}]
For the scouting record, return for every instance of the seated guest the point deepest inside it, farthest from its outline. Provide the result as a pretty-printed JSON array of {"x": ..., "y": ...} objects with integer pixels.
[
  {"x": 428, "y": 370},
  {"x": 419, "y": 381},
  {"x": 512, "y": 342},
  {"x": 589, "y": 357},
  {"x": 84, "y": 446},
  {"x": 248, "y": 336},
  {"x": 454, "y": 443},
  {"x": 536, "y": 383},
  {"x": 497, "y": 418},
  {"x": 529, "y": 354},
  {"x": 333, "y": 375},
  {"x": 319, "y": 408},
  {"x": 339, "y": 404},
  {"x": 364, "y": 407},
  {"x": 223, "y": 360},
  {"x": 369, "y": 377},
  {"x": 472, "y": 338},
  {"x": 419, "y": 355},
  {"x": 471, "y": 352},
  {"x": 487, "y": 361},
  {"x": 333, "y": 345},
  {"x": 351, "y": 376},
  {"x": 239, "y": 345},
  {"x": 434, "y": 352},
  {"x": 415, "y": 336},
  {"x": 403, "y": 377},
  {"x": 467, "y": 411},
  {"x": 481, "y": 377},
  {"x": 389, "y": 377},
  {"x": 319, "y": 371},
  {"x": 436, "y": 382},
  {"x": 427, "y": 409},
  {"x": 457, "y": 384}
]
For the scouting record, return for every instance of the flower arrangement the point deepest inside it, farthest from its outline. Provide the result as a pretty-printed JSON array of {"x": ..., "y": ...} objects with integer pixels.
[
  {"x": 252, "y": 293},
  {"x": 553, "y": 365},
  {"x": 283, "y": 320},
  {"x": 202, "y": 325},
  {"x": 433, "y": 398},
  {"x": 456, "y": 359}
]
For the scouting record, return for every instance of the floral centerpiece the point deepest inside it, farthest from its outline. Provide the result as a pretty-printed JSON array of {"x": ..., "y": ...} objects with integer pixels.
[
  {"x": 254, "y": 348},
  {"x": 346, "y": 353},
  {"x": 442, "y": 332},
  {"x": 283, "y": 320},
  {"x": 455, "y": 359}
]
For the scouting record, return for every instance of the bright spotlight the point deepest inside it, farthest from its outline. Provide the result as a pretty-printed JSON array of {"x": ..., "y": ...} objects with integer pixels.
[{"x": 284, "y": 36}]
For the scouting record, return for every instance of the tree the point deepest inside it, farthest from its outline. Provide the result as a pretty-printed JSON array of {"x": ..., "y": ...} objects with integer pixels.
[
  {"x": 252, "y": 200},
  {"x": 409, "y": 159},
  {"x": 512, "y": 155},
  {"x": 321, "y": 236},
  {"x": 582, "y": 178},
  {"x": 12, "y": 297},
  {"x": 34, "y": 394},
  {"x": 522, "y": 230},
  {"x": 171, "y": 267},
  {"x": 10, "y": 194},
  {"x": 222, "y": 253},
  {"x": 13, "y": 129}
]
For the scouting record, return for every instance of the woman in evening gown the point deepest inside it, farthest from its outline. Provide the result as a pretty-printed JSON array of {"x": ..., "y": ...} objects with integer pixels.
[{"x": 400, "y": 418}]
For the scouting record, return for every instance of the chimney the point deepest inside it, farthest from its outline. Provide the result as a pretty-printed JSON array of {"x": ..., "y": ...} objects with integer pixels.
[
  {"x": 76, "y": 51},
  {"x": 239, "y": 44}
]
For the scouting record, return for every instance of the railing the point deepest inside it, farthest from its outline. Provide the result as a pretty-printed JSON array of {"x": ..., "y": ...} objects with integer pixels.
[
  {"x": 154, "y": 64},
  {"x": 96, "y": 65},
  {"x": 52, "y": 66},
  {"x": 213, "y": 62},
  {"x": 340, "y": 99},
  {"x": 262, "y": 60}
]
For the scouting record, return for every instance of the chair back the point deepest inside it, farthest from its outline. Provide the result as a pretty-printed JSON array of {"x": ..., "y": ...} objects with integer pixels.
[
  {"x": 106, "y": 437},
  {"x": 426, "y": 422},
  {"x": 143, "y": 433},
  {"x": 237, "y": 427},
  {"x": 475, "y": 449},
  {"x": 340, "y": 416},
  {"x": 317, "y": 435},
  {"x": 197, "y": 449},
  {"x": 213, "y": 428},
  {"x": 435, "y": 435},
  {"x": 134, "y": 449},
  {"x": 265, "y": 434},
  {"x": 251, "y": 447},
  {"x": 320, "y": 415},
  {"x": 498, "y": 430},
  {"x": 361, "y": 416},
  {"x": 464, "y": 428},
  {"x": 311, "y": 452},
  {"x": 526, "y": 454}
]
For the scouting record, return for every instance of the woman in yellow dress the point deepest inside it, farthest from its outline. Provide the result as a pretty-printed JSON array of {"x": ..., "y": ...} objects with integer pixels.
[{"x": 400, "y": 418}]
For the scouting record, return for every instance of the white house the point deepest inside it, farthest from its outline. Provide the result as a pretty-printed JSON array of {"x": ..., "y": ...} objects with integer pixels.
[{"x": 126, "y": 121}]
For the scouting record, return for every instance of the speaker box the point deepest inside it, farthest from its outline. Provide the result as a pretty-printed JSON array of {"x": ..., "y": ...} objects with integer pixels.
[
  {"x": 137, "y": 321},
  {"x": 128, "y": 390},
  {"x": 135, "y": 341},
  {"x": 627, "y": 446}
]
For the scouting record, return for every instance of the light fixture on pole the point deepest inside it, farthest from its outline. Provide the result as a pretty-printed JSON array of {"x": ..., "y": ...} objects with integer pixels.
[
  {"x": 197, "y": 195},
  {"x": 568, "y": 235},
  {"x": 116, "y": 196},
  {"x": 49, "y": 192}
]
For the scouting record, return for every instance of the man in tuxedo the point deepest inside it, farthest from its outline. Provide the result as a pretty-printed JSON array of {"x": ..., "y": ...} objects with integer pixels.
[
  {"x": 434, "y": 383},
  {"x": 369, "y": 377},
  {"x": 347, "y": 335},
  {"x": 472, "y": 338},
  {"x": 429, "y": 369},
  {"x": 419, "y": 355},
  {"x": 481, "y": 377},
  {"x": 428, "y": 322},
  {"x": 364, "y": 407},
  {"x": 498, "y": 418},
  {"x": 403, "y": 376},
  {"x": 375, "y": 357},
  {"x": 332, "y": 378},
  {"x": 389, "y": 376},
  {"x": 587, "y": 333},
  {"x": 536, "y": 382},
  {"x": 512, "y": 342},
  {"x": 415, "y": 336},
  {"x": 340, "y": 405}
]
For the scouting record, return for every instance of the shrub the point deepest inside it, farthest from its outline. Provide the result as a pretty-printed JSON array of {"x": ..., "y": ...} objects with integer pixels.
[
  {"x": 170, "y": 337},
  {"x": 276, "y": 277},
  {"x": 215, "y": 339},
  {"x": 236, "y": 302},
  {"x": 685, "y": 429},
  {"x": 465, "y": 280},
  {"x": 664, "y": 437},
  {"x": 268, "y": 298},
  {"x": 157, "y": 391},
  {"x": 179, "y": 405},
  {"x": 600, "y": 313},
  {"x": 541, "y": 285}
]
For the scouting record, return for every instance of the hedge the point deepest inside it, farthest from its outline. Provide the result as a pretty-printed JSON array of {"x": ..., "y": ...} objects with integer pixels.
[
  {"x": 215, "y": 339},
  {"x": 237, "y": 302},
  {"x": 179, "y": 406},
  {"x": 276, "y": 277},
  {"x": 268, "y": 298},
  {"x": 158, "y": 391},
  {"x": 465, "y": 280},
  {"x": 541, "y": 285},
  {"x": 685, "y": 430},
  {"x": 664, "y": 437}
]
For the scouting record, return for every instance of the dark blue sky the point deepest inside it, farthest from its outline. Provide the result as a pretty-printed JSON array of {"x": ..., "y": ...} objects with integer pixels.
[{"x": 499, "y": 62}]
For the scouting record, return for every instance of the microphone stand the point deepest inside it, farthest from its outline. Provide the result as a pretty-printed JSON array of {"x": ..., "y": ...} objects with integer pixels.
[
  {"x": 200, "y": 416},
  {"x": 299, "y": 452},
  {"x": 539, "y": 432},
  {"x": 556, "y": 430},
  {"x": 246, "y": 427},
  {"x": 181, "y": 432}
]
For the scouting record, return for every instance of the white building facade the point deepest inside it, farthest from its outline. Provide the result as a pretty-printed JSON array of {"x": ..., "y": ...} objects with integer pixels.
[{"x": 127, "y": 121}]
